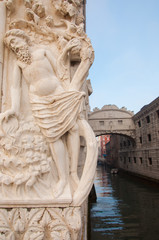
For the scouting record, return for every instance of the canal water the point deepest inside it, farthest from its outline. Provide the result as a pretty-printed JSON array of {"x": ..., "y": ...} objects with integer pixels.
[{"x": 127, "y": 208}]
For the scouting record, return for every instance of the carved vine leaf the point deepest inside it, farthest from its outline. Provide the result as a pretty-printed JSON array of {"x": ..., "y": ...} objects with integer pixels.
[
  {"x": 35, "y": 230},
  {"x": 10, "y": 5},
  {"x": 66, "y": 223},
  {"x": 73, "y": 218},
  {"x": 67, "y": 7},
  {"x": 4, "y": 224},
  {"x": 18, "y": 218},
  {"x": 6, "y": 231},
  {"x": 60, "y": 234},
  {"x": 35, "y": 215}
]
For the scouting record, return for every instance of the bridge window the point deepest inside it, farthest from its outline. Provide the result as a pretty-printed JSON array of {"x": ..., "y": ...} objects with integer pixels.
[
  {"x": 101, "y": 123},
  {"x": 150, "y": 161},
  {"x": 120, "y": 121},
  {"x": 140, "y": 139},
  {"x": 140, "y": 160},
  {"x": 149, "y": 137},
  {"x": 139, "y": 123},
  {"x": 148, "y": 119}
]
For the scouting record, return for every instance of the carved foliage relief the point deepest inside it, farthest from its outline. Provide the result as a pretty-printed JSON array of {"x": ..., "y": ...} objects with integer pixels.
[{"x": 40, "y": 223}]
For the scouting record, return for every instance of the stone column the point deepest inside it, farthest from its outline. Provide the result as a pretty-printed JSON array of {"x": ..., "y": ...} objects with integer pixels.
[{"x": 2, "y": 31}]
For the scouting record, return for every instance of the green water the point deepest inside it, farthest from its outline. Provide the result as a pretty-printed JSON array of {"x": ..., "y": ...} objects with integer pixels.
[{"x": 127, "y": 208}]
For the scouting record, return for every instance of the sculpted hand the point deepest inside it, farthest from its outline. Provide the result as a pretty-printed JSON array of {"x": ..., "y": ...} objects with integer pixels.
[
  {"x": 73, "y": 43},
  {"x": 87, "y": 53},
  {"x": 6, "y": 115}
]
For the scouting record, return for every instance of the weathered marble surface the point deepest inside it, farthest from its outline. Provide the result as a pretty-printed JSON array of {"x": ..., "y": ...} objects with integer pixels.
[{"x": 47, "y": 56}]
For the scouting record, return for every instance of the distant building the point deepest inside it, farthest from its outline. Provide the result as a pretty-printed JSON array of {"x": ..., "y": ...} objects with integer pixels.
[
  {"x": 140, "y": 155},
  {"x": 112, "y": 150},
  {"x": 103, "y": 140}
]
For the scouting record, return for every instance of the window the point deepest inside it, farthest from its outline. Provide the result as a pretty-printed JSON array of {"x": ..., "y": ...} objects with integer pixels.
[
  {"x": 134, "y": 159},
  {"x": 148, "y": 119},
  {"x": 150, "y": 161},
  {"x": 139, "y": 123},
  {"x": 129, "y": 159},
  {"x": 120, "y": 121},
  {"x": 101, "y": 123},
  {"x": 128, "y": 142},
  {"x": 140, "y": 160},
  {"x": 157, "y": 113},
  {"x": 124, "y": 159},
  {"x": 124, "y": 143},
  {"x": 140, "y": 139},
  {"x": 149, "y": 137}
]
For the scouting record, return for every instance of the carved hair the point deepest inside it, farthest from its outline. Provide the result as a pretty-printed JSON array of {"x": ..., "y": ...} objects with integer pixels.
[{"x": 15, "y": 33}]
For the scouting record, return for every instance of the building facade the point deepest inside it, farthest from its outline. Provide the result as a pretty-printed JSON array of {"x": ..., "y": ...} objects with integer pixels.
[
  {"x": 102, "y": 142},
  {"x": 142, "y": 155}
]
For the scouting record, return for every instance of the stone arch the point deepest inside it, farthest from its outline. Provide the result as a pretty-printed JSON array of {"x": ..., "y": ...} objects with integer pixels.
[{"x": 112, "y": 120}]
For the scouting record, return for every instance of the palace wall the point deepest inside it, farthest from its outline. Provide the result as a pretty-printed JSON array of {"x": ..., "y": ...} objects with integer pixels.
[{"x": 142, "y": 155}]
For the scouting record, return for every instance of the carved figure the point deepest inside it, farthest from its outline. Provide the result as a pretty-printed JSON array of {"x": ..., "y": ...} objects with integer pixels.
[
  {"x": 55, "y": 109},
  {"x": 42, "y": 120}
]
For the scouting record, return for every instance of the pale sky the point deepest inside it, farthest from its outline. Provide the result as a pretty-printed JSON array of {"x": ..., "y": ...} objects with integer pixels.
[{"x": 125, "y": 37}]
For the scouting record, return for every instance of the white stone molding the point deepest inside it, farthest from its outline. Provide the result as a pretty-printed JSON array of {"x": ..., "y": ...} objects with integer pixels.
[{"x": 40, "y": 223}]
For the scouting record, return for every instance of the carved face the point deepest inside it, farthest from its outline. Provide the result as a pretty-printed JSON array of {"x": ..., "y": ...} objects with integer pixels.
[
  {"x": 20, "y": 47},
  {"x": 16, "y": 43}
]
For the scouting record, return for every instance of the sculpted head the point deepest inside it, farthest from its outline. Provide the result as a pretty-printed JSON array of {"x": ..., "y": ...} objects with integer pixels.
[
  {"x": 16, "y": 37},
  {"x": 18, "y": 42}
]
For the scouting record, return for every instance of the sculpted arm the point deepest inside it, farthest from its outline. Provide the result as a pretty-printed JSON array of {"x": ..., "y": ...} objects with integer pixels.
[
  {"x": 87, "y": 57},
  {"x": 63, "y": 62},
  {"x": 15, "y": 94},
  {"x": 16, "y": 89}
]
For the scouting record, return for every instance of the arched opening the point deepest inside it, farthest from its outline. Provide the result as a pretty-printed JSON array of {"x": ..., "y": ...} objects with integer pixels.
[{"x": 114, "y": 147}]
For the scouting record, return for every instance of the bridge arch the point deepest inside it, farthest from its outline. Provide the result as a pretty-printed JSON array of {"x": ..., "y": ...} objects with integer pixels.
[{"x": 112, "y": 120}]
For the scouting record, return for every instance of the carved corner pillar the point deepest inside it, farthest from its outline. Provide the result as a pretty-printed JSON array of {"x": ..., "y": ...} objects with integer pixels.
[
  {"x": 45, "y": 56},
  {"x": 40, "y": 223}
]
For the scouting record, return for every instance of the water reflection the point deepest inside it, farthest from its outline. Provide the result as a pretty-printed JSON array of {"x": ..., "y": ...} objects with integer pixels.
[{"x": 126, "y": 209}]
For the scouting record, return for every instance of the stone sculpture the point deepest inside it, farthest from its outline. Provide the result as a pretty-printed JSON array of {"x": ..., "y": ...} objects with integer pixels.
[
  {"x": 44, "y": 145},
  {"x": 45, "y": 60}
]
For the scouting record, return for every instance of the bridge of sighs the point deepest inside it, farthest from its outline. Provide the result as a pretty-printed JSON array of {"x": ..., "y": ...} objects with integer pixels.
[{"x": 112, "y": 120}]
